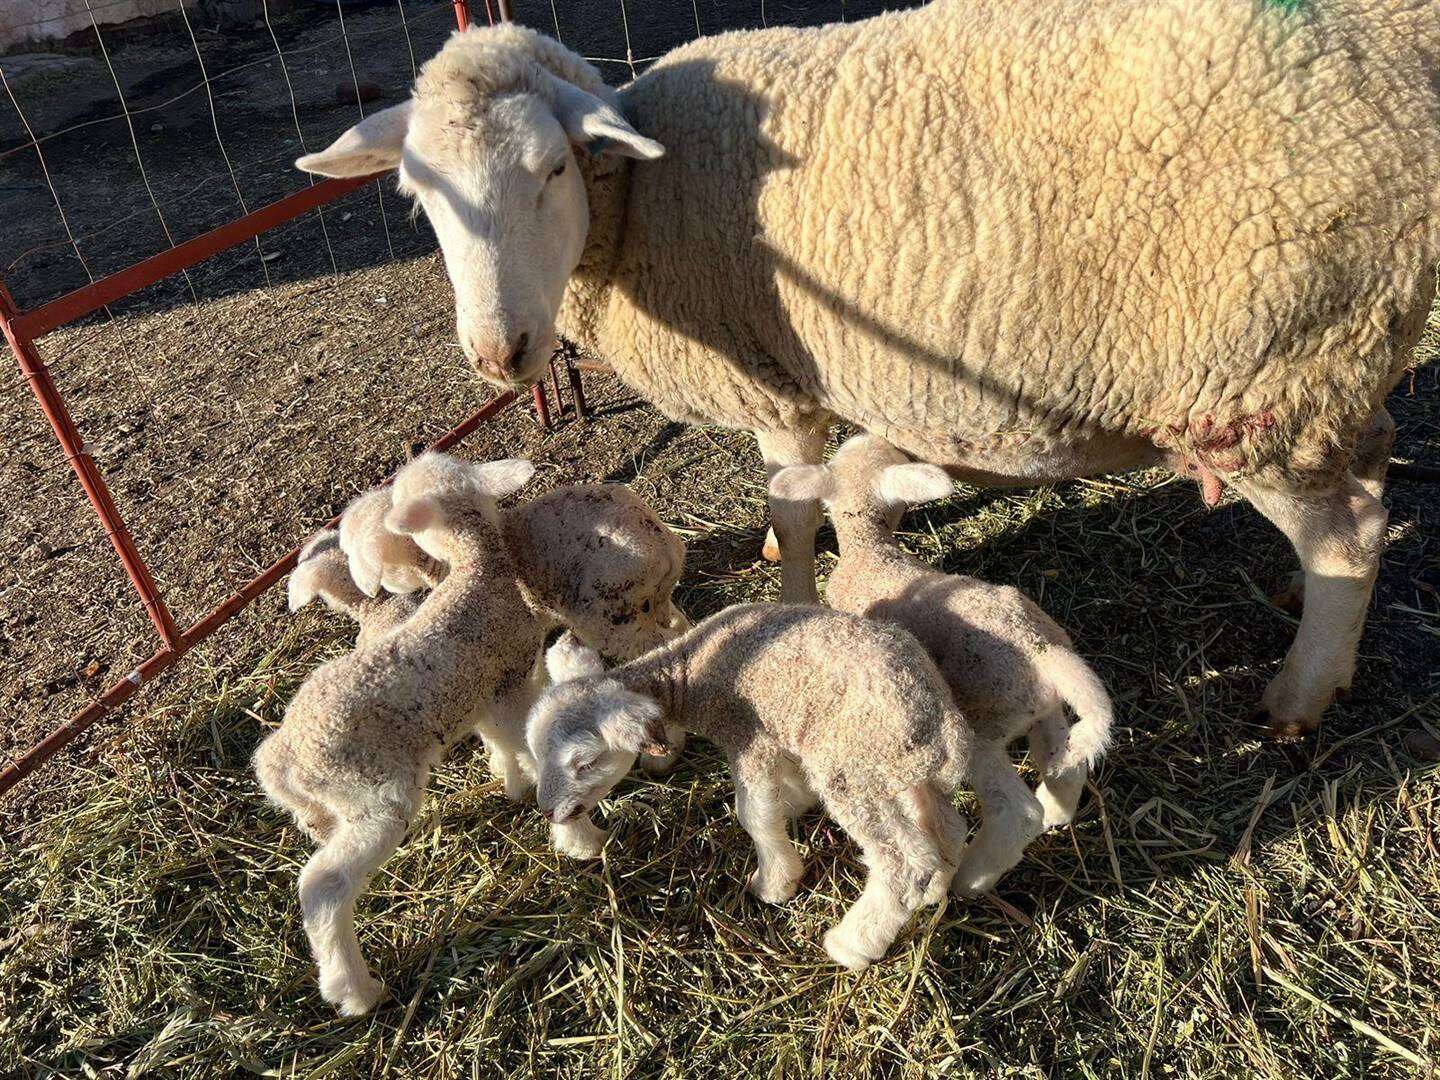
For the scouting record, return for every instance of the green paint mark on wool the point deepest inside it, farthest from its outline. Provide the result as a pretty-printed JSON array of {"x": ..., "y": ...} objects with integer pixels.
[{"x": 1287, "y": 6}]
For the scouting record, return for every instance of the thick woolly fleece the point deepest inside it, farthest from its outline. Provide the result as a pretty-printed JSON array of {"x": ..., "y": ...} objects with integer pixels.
[
  {"x": 323, "y": 570},
  {"x": 1026, "y": 239}
]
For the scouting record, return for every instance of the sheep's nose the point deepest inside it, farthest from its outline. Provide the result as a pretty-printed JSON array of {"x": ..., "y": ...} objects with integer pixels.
[
  {"x": 548, "y": 815},
  {"x": 501, "y": 358}
]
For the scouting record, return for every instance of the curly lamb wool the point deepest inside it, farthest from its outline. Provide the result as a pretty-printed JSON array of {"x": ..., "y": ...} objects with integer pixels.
[{"x": 1026, "y": 240}]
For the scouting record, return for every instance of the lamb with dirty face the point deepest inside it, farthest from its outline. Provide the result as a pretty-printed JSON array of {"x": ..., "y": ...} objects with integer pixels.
[
  {"x": 1027, "y": 240},
  {"x": 806, "y": 703}
]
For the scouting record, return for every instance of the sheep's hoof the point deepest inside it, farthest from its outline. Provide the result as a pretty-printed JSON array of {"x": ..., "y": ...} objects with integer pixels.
[
  {"x": 357, "y": 999},
  {"x": 770, "y": 552},
  {"x": 772, "y": 890},
  {"x": 1283, "y": 729},
  {"x": 659, "y": 764},
  {"x": 970, "y": 882},
  {"x": 841, "y": 950}
]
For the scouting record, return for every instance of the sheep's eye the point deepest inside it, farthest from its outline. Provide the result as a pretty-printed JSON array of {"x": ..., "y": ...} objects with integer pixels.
[
  {"x": 558, "y": 170},
  {"x": 585, "y": 766},
  {"x": 645, "y": 607}
]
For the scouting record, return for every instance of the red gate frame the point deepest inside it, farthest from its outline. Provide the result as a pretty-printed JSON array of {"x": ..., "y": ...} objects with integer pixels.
[{"x": 23, "y": 328}]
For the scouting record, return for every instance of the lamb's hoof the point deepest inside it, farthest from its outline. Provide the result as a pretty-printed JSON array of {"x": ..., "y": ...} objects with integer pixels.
[
  {"x": 841, "y": 950},
  {"x": 1277, "y": 728},
  {"x": 578, "y": 843},
  {"x": 772, "y": 890},
  {"x": 1291, "y": 598},
  {"x": 1056, "y": 818},
  {"x": 516, "y": 789},
  {"x": 970, "y": 882},
  {"x": 355, "y": 999}
]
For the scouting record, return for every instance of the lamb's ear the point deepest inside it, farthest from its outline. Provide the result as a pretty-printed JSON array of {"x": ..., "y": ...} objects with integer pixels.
[
  {"x": 803, "y": 483},
  {"x": 366, "y": 573},
  {"x": 569, "y": 659},
  {"x": 302, "y": 587},
  {"x": 499, "y": 478},
  {"x": 371, "y": 146},
  {"x": 912, "y": 483},
  {"x": 598, "y": 126},
  {"x": 413, "y": 516},
  {"x": 632, "y": 722}
]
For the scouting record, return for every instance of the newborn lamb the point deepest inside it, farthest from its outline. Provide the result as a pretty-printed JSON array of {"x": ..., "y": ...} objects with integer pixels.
[
  {"x": 804, "y": 701},
  {"x": 591, "y": 557},
  {"x": 323, "y": 570},
  {"x": 1010, "y": 668},
  {"x": 352, "y": 756}
]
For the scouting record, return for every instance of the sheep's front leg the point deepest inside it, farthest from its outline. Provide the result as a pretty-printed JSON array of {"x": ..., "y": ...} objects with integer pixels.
[
  {"x": 1012, "y": 817},
  {"x": 791, "y": 540},
  {"x": 578, "y": 839},
  {"x": 1339, "y": 537},
  {"x": 764, "y": 812}
]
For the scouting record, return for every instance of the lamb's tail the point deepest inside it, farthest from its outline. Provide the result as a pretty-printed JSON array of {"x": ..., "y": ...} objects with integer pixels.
[{"x": 1081, "y": 689}]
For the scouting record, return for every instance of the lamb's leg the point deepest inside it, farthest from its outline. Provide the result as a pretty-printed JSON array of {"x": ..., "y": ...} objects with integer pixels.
[
  {"x": 791, "y": 540},
  {"x": 1059, "y": 791},
  {"x": 904, "y": 861},
  {"x": 502, "y": 725},
  {"x": 764, "y": 812},
  {"x": 1338, "y": 537},
  {"x": 1012, "y": 817},
  {"x": 332, "y": 879},
  {"x": 578, "y": 839}
]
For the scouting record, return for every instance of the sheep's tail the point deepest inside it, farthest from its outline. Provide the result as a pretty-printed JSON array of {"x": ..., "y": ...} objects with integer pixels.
[{"x": 1081, "y": 689}]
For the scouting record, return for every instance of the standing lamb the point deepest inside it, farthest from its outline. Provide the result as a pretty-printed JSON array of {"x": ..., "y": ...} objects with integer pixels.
[
  {"x": 805, "y": 702},
  {"x": 1010, "y": 668},
  {"x": 351, "y": 759},
  {"x": 1027, "y": 240},
  {"x": 591, "y": 557}
]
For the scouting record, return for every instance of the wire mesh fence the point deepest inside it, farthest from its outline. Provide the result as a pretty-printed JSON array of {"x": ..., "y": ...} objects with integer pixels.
[{"x": 234, "y": 405}]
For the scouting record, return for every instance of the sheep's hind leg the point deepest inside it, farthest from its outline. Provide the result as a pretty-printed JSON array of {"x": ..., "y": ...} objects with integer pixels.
[
  {"x": 791, "y": 539},
  {"x": 329, "y": 885},
  {"x": 1012, "y": 817},
  {"x": 1058, "y": 791},
  {"x": 764, "y": 812},
  {"x": 904, "y": 860},
  {"x": 1339, "y": 537},
  {"x": 1372, "y": 461}
]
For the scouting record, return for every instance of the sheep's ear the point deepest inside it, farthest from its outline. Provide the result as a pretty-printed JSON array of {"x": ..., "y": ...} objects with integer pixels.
[
  {"x": 569, "y": 659},
  {"x": 366, "y": 573},
  {"x": 302, "y": 587},
  {"x": 803, "y": 483},
  {"x": 632, "y": 722},
  {"x": 500, "y": 478},
  {"x": 912, "y": 483},
  {"x": 371, "y": 146},
  {"x": 411, "y": 517},
  {"x": 599, "y": 127}
]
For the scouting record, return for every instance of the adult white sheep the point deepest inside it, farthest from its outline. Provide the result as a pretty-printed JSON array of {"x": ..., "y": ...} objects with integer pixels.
[{"x": 1027, "y": 240}]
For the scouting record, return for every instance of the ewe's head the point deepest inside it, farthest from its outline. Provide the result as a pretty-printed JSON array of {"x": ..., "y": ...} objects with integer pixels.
[
  {"x": 435, "y": 494},
  {"x": 867, "y": 476},
  {"x": 585, "y": 734},
  {"x": 379, "y": 558},
  {"x": 486, "y": 145}
]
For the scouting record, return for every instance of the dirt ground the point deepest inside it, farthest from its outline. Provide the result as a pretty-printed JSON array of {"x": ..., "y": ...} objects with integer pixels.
[{"x": 231, "y": 425}]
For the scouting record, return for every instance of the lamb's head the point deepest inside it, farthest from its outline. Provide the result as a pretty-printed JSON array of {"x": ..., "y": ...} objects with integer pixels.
[
  {"x": 379, "y": 558},
  {"x": 585, "y": 735},
  {"x": 867, "y": 477},
  {"x": 435, "y": 497},
  {"x": 487, "y": 146},
  {"x": 320, "y": 570}
]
